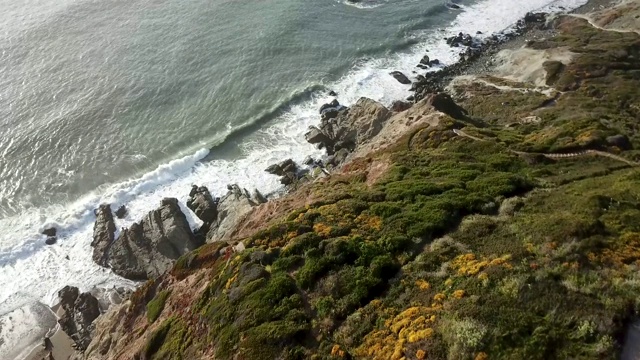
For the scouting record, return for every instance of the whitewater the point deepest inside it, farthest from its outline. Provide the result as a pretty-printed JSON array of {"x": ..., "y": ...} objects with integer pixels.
[{"x": 31, "y": 272}]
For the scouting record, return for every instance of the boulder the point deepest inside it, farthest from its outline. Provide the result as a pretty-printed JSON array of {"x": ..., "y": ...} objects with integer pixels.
[
  {"x": 50, "y": 232},
  {"x": 333, "y": 104},
  {"x": 316, "y": 136},
  {"x": 282, "y": 168},
  {"x": 620, "y": 141},
  {"x": 460, "y": 39},
  {"x": 425, "y": 60},
  {"x": 203, "y": 204},
  {"x": 333, "y": 93},
  {"x": 121, "y": 212},
  {"x": 149, "y": 248},
  {"x": 309, "y": 161},
  {"x": 535, "y": 18},
  {"x": 402, "y": 78},
  {"x": 79, "y": 310},
  {"x": 330, "y": 113},
  {"x": 51, "y": 235},
  {"x": 103, "y": 234}
]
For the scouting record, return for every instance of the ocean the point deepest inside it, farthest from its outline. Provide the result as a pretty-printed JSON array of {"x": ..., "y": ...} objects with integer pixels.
[{"x": 127, "y": 102}]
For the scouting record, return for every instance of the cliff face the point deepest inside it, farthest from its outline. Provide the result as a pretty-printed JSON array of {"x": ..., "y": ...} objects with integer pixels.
[{"x": 511, "y": 231}]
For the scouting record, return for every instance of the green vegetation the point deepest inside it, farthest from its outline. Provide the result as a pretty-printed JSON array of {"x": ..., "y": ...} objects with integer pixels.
[
  {"x": 156, "y": 305},
  {"x": 464, "y": 249}
]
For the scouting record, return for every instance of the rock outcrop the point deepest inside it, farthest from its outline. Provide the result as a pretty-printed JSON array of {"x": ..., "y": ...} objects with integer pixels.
[
  {"x": 231, "y": 210},
  {"x": 354, "y": 126},
  {"x": 148, "y": 248},
  {"x": 203, "y": 204},
  {"x": 103, "y": 234},
  {"x": 79, "y": 310},
  {"x": 288, "y": 171}
]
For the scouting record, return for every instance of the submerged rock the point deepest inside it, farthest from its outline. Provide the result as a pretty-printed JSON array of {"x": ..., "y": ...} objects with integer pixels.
[
  {"x": 50, "y": 232},
  {"x": 402, "y": 78},
  {"x": 51, "y": 235},
  {"x": 121, "y": 212}
]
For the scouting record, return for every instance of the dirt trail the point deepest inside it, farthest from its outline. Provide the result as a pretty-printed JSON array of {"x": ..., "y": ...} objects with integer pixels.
[{"x": 558, "y": 155}]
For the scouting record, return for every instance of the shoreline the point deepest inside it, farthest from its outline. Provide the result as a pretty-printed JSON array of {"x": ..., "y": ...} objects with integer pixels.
[{"x": 62, "y": 343}]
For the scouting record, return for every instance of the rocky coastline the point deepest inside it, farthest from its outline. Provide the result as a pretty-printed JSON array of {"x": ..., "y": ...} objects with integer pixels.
[{"x": 267, "y": 276}]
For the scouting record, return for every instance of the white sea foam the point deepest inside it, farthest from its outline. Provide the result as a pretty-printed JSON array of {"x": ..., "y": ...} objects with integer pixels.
[{"x": 31, "y": 271}]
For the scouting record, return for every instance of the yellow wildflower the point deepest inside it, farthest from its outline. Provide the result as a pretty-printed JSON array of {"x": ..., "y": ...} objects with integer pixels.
[{"x": 423, "y": 285}]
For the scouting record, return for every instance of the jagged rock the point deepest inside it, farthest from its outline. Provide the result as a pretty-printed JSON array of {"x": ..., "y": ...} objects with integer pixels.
[
  {"x": 402, "y": 78},
  {"x": 79, "y": 312},
  {"x": 282, "y": 168},
  {"x": 272, "y": 169},
  {"x": 399, "y": 105},
  {"x": 51, "y": 240},
  {"x": 148, "y": 248},
  {"x": 68, "y": 296},
  {"x": 231, "y": 209},
  {"x": 121, "y": 212},
  {"x": 330, "y": 113},
  {"x": 309, "y": 161},
  {"x": 425, "y": 60},
  {"x": 460, "y": 39},
  {"x": 203, "y": 204},
  {"x": 333, "y": 104},
  {"x": 316, "y": 136},
  {"x": 103, "y": 234},
  {"x": 333, "y": 93},
  {"x": 620, "y": 141},
  {"x": 535, "y": 18},
  {"x": 258, "y": 197},
  {"x": 87, "y": 309},
  {"x": 288, "y": 179},
  {"x": 364, "y": 121}
]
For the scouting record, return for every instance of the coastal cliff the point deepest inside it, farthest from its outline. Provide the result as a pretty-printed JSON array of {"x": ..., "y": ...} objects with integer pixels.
[{"x": 495, "y": 219}]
